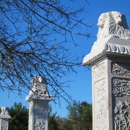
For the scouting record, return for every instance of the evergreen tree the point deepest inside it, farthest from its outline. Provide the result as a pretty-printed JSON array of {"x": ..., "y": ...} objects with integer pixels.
[
  {"x": 19, "y": 117},
  {"x": 52, "y": 120},
  {"x": 80, "y": 115}
]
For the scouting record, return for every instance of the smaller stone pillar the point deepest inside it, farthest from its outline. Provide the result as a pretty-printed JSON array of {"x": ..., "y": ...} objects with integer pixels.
[
  {"x": 4, "y": 118},
  {"x": 38, "y": 99}
]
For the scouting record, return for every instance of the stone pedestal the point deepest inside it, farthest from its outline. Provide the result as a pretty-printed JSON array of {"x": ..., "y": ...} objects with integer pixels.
[
  {"x": 110, "y": 62},
  {"x": 4, "y": 118},
  {"x": 111, "y": 85},
  {"x": 38, "y": 99}
]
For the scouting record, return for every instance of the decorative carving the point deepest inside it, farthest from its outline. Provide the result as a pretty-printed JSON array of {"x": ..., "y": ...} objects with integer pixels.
[
  {"x": 39, "y": 90},
  {"x": 100, "y": 108},
  {"x": 4, "y": 125},
  {"x": 98, "y": 74},
  {"x": 4, "y": 113},
  {"x": 110, "y": 47},
  {"x": 113, "y": 37},
  {"x": 121, "y": 69},
  {"x": 4, "y": 117},
  {"x": 98, "y": 71},
  {"x": 121, "y": 87},
  {"x": 121, "y": 93},
  {"x": 40, "y": 125},
  {"x": 122, "y": 117},
  {"x": 113, "y": 24}
]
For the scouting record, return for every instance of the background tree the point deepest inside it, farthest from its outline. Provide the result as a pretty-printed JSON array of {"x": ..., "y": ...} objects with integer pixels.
[
  {"x": 64, "y": 123},
  {"x": 19, "y": 117},
  {"x": 33, "y": 39},
  {"x": 52, "y": 120},
  {"x": 57, "y": 123},
  {"x": 80, "y": 115}
]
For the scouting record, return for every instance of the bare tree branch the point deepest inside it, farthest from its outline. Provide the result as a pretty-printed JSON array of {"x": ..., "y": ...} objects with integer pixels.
[{"x": 33, "y": 38}]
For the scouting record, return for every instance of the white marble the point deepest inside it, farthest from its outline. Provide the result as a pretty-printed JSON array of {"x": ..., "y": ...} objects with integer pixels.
[
  {"x": 109, "y": 60},
  {"x": 4, "y": 118},
  {"x": 112, "y": 24},
  {"x": 39, "y": 90},
  {"x": 113, "y": 36},
  {"x": 38, "y": 99}
]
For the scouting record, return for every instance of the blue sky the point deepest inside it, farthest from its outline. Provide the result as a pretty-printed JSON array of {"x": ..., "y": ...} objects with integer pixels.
[{"x": 80, "y": 88}]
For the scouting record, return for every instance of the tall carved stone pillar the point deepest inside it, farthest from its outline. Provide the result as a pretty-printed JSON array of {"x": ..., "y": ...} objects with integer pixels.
[
  {"x": 4, "y": 118},
  {"x": 110, "y": 62},
  {"x": 38, "y": 99}
]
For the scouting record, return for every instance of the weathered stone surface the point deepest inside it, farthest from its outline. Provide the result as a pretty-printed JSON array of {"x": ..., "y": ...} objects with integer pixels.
[
  {"x": 4, "y": 118},
  {"x": 109, "y": 59},
  {"x": 113, "y": 37},
  {"x": 39, "y": 90},
  {"x": 38, "y": 99}
]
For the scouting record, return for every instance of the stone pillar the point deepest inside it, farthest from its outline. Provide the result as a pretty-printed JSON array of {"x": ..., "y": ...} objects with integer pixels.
[
  {"x": 4, "y": 118},
  {"x": 38, "y": 99},
  {"x": 110, "y": 63}
]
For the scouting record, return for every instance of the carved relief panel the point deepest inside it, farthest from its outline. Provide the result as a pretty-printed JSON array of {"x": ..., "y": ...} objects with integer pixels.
[
  {"x": 100, "y": 105},
  {"x": 100, "y": 96},
  {"x": 98, "y": 71},
  {"x": 40, "y": 125},
  {"x": 121, "y": 96},
  {"x": 120, "y": 69},
  {"x": 40, "y": 115},
  {"x": 4, "y": 124}
]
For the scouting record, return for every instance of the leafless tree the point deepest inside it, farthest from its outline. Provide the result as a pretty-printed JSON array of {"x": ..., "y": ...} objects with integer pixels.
[{"x": 33, "y": 38}]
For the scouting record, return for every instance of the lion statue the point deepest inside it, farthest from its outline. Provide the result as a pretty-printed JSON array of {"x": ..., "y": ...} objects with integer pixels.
[{"x": 113, "y": 24}]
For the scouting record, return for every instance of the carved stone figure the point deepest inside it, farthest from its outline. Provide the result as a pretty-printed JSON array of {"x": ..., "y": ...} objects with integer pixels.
[
  {"x": 4, "y": 110},
  {"x": 113, "y": 36},
  {"x": 122, "y": 117},
  {"x": 4, "y": 118},
  {"x": 113, "y": 24},
  {"x": 109, "y": 59},
  {"x": 38, "y": 99},
  {"x": 40, "y": 125},
  {"x": 39, "y": 89},
  {"x": 4, "y": 113}
]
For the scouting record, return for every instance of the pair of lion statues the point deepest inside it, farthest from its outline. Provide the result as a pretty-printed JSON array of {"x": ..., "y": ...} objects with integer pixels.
[{"x": 113, "y": 24}]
